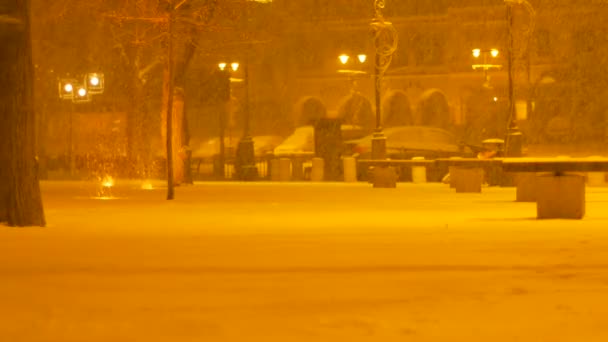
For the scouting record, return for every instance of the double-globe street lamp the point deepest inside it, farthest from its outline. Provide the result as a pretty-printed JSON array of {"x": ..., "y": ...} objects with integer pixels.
[
  {"x": 385, "y": 43},
  {"x": 353, "y": 67},
  {"x": 485, "y": 65},
  {"x": 78, "y": 91},
  {"x": 245, "y": 166}
]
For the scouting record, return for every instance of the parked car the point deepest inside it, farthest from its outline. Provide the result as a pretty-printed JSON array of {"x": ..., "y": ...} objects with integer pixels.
[
  {"x": 206, "y": 152},
  {"x": 302, "y": 140},
  {"x": 300, "y": 147},
  {"x": 407, "y": 142}
]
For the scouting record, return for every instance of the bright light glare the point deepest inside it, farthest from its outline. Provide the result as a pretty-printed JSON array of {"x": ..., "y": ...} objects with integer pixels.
[
  {"x": 476, "y": 53},
  {"x": 494, "y": 53},
  {"x": 362, "y": 58},
  {"x": 147, "y": 185},
  {"x": 222, "y": 66},
  {"x": 68, "y": 87},
  {"x": 234, "y": 66},
  {"x": 495, "y": 99},
  {"x": 344, "y": 59},
  {"x": 94, "y": 81},
  {"x": 82, "y": 92},
  {"x": 107, "y": 182}
]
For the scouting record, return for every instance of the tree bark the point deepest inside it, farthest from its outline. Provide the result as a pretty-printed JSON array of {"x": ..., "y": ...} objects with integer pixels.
[{"x": 20, "y": 198}]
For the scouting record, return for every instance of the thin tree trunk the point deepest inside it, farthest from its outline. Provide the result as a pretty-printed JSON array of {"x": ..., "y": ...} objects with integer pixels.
[
  {"x": 20, "y": 200},
  {"x": 170, "y": 67}
]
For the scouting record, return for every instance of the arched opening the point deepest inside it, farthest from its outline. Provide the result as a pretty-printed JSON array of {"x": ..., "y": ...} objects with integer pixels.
[
  {"x": 309, "y": 110},
  {"x": 433, "y": 109},
  {"x": 397, "y": 110},
  {"x": 356, "y": 110}
]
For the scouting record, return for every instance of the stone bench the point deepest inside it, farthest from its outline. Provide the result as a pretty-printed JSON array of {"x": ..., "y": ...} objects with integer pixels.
[
  {"x": 385, "y": 176},
  {"x": 557, "y": 185}
]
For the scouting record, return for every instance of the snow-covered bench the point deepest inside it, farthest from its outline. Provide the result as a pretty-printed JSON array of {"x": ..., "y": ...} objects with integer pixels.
[{"x": 556, "y": 184}]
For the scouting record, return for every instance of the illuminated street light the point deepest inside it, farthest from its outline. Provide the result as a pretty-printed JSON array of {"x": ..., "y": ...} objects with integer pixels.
[
  {"x": 78, "y": 91},
  {"x": 81, "y": 94},
  {"x": 344, "y": 59},
  {"x": 362, "y": 58},
  {"x": 485, "y": 65},
  {"x": 95, "y": 83},
  {"x": 245, "y": 153},
  {"x": 66, "y": 88}
]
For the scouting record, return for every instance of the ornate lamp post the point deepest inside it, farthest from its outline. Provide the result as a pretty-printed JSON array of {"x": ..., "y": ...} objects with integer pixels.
[
  {"x": 514, "y": 141},
  {"x": 78, "y": 92},
  {"x": 385, "y": 43},
  {"x": 245, "y": 154},
  {"x": 225, "y": 96}
]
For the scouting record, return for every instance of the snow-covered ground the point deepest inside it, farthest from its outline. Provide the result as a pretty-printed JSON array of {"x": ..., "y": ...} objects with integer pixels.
[{"x": 303, "y": 262}]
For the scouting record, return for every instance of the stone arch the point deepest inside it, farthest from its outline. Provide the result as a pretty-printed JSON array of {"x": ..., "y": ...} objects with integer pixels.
[
  {"x": 396, "y": 110},
  {"x": 308, "y": 110},
  {"x": 433, "y": 109},
  {"x": 357, "y": 110}
]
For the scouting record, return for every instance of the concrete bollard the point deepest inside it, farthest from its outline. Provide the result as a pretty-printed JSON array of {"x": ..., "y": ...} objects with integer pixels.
[
  {"x": 560, "y": 196},
  {"x": 284, "y": 170},
  {"x": 350, "y": 169},
  {"x": 275, "y": 170},
  {"x": 418, "y": 172},
  {"x": 318, "y": 169}
]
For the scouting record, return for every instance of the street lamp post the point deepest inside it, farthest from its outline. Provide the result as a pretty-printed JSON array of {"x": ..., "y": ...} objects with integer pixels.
[
  {"x": 226, "y": 70},
  {"x": 385, "y": 43},
  {"x": 78, "y": 92},
  {"x": 245, "y": 167},
  {"x": 514, "y": 141},
  {"x": 245, "y": 154}
]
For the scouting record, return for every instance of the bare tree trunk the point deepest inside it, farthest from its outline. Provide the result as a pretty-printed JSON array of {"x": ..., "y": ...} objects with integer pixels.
[
  {"x": 170, "y": 61},
  {"x": 20, "y": 199}
]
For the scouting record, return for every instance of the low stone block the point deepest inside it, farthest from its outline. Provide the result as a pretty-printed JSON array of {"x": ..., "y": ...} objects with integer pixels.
[
  {"x": 385, "y": 177},
  {"x": 467, "y": 180},
  {"x": 525, "y": 187},
  {"x": 560, "y": 196}
]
